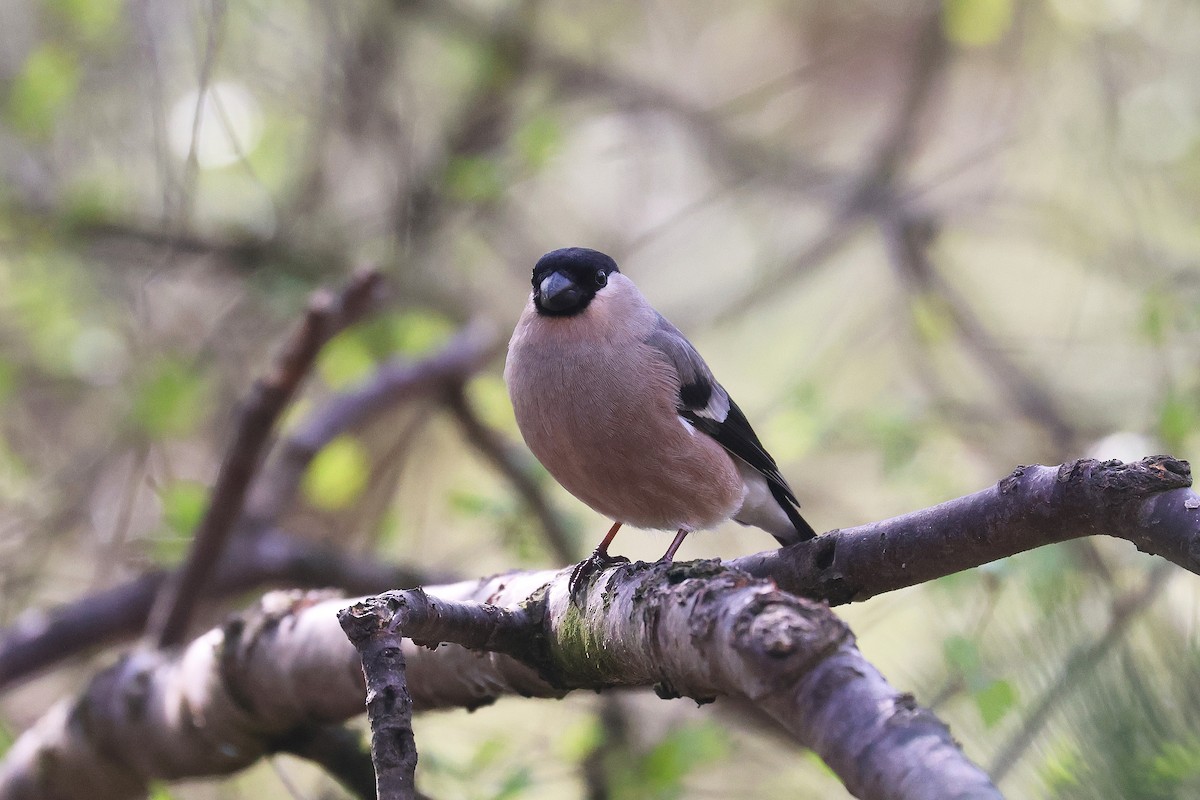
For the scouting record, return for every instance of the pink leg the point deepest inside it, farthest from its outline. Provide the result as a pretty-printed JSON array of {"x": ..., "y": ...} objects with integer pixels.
[
  {"x": 602, "y": 548},
  {"x": 679, "y": 537}
]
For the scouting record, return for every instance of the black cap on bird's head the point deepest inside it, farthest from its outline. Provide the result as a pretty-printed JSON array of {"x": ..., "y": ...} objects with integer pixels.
[{"x": 566, "y": 280}]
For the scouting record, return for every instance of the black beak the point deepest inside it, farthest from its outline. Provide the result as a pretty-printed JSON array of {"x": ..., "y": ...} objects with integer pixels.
[{"x": 558, "y": 292}]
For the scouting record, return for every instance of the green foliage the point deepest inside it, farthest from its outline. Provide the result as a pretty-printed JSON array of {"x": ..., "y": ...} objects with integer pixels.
[
  {"x": 169, "y": 398},
  {"x": 8, "y": 379},
  {"x": 347, "y": 359},
  {"x": 90, "y": 19},
  {"x": 931, "y": 318},
  {"x": 660, "y": 773},
  {"x": 994, "y": 698},
  {"x": 976, "y": 22},
  {"x": 46, "y": 84},
  {"x": 538, "y": 140},
  {"x": 994, "y": 701},
  {"x": 351, "y": 355},
  {"x": 489, "y": 773},
  {"x": 159, "y": 790},
  {"x": 183, "y": 505},
  {"x": 1178, "y": 417},
  {"x": 338, "y": 474},
  {"x": 473, "y": 179}
]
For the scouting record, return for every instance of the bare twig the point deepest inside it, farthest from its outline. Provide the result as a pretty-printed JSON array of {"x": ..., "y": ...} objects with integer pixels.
[
  {"x": 389, "y": 704},
  {"x": 326, "y": 316}
]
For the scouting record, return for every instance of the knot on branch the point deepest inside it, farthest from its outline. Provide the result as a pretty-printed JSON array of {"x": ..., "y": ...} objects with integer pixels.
[{"x": 1135, "y": 480}]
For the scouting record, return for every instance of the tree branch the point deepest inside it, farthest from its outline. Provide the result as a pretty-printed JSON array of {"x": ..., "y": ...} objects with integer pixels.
[
  {"x": 1147, "y": 503},
  {"x": 261, "y": 555},
  {"x": 285, "y": 664},
  {"x": 326, "y": 315}
]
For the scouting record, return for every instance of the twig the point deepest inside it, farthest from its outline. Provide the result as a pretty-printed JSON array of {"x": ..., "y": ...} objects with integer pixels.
[
  {"x": 376, "y": 627},
  {"x": 1147, "y": 503},
  {"x": 262, "y": 554},
  {"x": 326, "y": 316}
]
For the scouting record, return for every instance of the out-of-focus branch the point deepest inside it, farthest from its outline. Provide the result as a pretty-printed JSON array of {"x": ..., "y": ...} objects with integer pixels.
[
  {"x": 515, "y": 465},
  {"x": 908, "y": 239},
  {"x": 260, "y": 554},
  {"x": 338, "y": 750},
  {"x": 40, "y": 639},
  {"x": 1077, "y": 667},
  {"x": 1147, "y": 503},
  {"x": 326, "y": 315}
]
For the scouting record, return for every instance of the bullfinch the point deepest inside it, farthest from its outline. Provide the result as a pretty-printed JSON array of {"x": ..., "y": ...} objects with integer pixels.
[{"x": 620, "y": 408}]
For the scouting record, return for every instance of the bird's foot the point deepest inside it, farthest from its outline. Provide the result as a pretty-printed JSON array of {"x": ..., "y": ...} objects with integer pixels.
[{"x": 598, "y": 561}]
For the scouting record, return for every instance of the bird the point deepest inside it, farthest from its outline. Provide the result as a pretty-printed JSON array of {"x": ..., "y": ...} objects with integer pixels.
[{"x": 625, "y": 414}]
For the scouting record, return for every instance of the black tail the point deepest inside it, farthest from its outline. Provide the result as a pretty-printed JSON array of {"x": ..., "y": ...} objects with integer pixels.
[{"x": 804, "y": 531}]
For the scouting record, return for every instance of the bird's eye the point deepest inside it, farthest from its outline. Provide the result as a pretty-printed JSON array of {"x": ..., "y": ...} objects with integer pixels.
[{"x": 601, "y": 280}]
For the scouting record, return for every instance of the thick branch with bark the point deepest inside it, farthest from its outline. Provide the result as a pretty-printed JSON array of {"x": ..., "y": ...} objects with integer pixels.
[
  {"x": 1148, "y": 503},
  {"x": 699, "y": 630}
]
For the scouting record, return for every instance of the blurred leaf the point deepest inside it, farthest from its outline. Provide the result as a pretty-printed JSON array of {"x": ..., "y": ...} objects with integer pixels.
[
  {"x": 183, "y": 505},
  {"x": 1061, "y": 768},
  {"x": 46, "y": 83},
  {"x": 8, "y": 379},
  {"x": 490, "y": 751},
  {"x": 42, "y": 296},
  {"x": 470, "y": 503},
  {"x": 473, "y": 179},
  {"x": 345, "y": 360},
  {"x": 994, "y": 701},
  {"x": 418, "y": 331},
  {"x": 681, "y": 751},
  {"x": 518, "y": 780},
  {"x": 579, "y": 740},
  {"x": 1177, "y": 764},
  {"x": 169, "y": 399},
  {"x": 159, "y": 790},
  {"x": 6, "y": 737},
  {"x": 1155, "y": 316},
  {"x": 338, "y": 474},
  {"x": 169, "y": 549},
  {"x": 489, "y": 397},
  {"x": 976, "y": 22},
  {"x": 930, "y": 318},
  {"x": 91, "y": 18},
  {"x": 1178, "y": 415},
  {"x": 897, "y": 435},
  {"x": 538, "y": 140},
  {"x": 962, "y": 654}
]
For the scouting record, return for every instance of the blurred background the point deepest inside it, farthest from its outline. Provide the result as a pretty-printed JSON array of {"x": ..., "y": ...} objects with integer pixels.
[{"x": 921, "y": 243}]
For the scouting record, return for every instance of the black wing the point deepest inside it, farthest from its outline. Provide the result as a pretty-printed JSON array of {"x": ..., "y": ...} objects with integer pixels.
[{"x": 708, "y": 407}]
